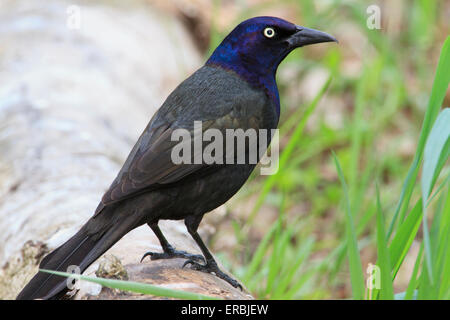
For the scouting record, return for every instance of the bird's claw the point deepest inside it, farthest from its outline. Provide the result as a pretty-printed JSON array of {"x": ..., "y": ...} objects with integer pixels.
[
  {"x": 211, "y": 267},
  {"x": 173, "y": 254},
  {"x": 194, "y": 265}
]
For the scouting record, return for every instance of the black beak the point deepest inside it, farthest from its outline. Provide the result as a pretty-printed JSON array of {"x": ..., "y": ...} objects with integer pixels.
[{"x": 305, "y": 36}]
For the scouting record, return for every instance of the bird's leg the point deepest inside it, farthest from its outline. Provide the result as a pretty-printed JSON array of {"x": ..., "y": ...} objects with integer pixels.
[
  {"x": 169, "y": 251},
  {"x": 211, "y": 264}
]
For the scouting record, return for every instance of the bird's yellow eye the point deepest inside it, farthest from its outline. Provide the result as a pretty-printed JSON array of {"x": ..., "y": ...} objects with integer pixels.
[{"x": 269, "y": 32}]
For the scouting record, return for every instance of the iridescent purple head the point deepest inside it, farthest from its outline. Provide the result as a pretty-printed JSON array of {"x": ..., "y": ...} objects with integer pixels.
[{"x": 256, "y": 47}]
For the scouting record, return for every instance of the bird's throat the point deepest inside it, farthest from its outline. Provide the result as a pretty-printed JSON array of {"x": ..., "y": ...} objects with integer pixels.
[{"x": 265, "y": 81}]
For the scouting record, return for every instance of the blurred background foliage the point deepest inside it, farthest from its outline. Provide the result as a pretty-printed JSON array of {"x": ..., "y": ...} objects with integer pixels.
[{"x": 284, "y": 236}]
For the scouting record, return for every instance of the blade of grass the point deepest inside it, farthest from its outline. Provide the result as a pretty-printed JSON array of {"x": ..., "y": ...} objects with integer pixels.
[
  {"x": 277, "y": 257},
  {"x": 438, "y": 92},
  {"x": 412, "y": 285},
  {"x": 444, "y": 233},
  {"x": 439, "y": 245},
  {"x": 404, "y": 237},
  {"x": 356, "y": 273},
  {"x": 436, "y": 153},
  {"x": 135, "y": 287},
  {"x": 303, "y": 254},
  {"x": 260, "y": 252},
  {"x": 387, "y": 290}
]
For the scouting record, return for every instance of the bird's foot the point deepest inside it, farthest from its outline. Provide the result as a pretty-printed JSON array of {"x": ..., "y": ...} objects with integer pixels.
[
  {"x": 171, "y": 253},
  {"x": 211, "y": 266}
]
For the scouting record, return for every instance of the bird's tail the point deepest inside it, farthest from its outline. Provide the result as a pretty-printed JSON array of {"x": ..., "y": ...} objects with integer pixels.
[{"x": 93, "y": 239}]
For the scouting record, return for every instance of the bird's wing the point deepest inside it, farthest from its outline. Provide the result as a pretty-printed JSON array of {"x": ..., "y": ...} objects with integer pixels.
[{"x": 149, "y": 165}]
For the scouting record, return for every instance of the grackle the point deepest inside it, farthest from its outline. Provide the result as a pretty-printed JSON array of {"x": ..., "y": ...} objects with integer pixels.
[{"x": 235, "y": 89}]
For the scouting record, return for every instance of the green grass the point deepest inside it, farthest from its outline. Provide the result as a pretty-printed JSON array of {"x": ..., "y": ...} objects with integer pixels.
[
  {"x": 356, "y": 273},
  {"x": 384, "y": 259},
  {"x": 371, "y": 209},
  {"x": 434, "y": 148}
]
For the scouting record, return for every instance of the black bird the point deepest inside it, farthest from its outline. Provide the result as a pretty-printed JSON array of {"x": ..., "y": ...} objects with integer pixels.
[{"x": 235, "y": 89}]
